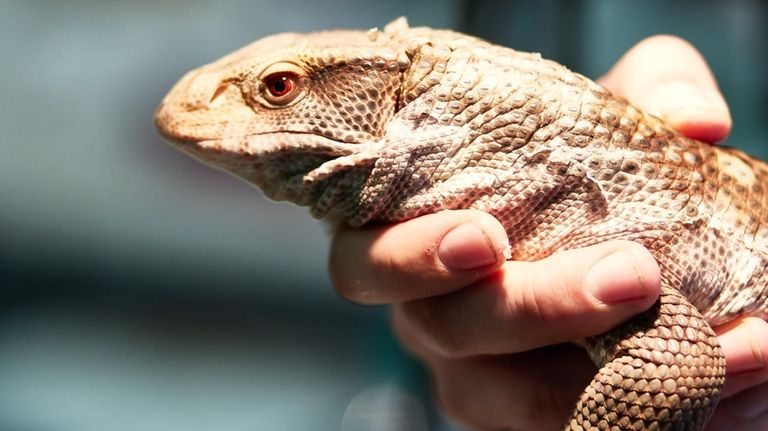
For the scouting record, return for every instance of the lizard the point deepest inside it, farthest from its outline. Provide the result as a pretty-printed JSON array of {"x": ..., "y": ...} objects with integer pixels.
[{"x": 387, "y": 125}]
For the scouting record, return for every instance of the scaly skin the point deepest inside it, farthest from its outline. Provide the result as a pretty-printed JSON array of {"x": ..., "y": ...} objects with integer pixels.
[{"x": 387, "y": 126}]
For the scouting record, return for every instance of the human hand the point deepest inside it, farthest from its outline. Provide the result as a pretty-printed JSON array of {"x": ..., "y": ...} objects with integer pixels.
[
  {"x": 489, "y": 330},
  {"x": 668, "y": 77}
]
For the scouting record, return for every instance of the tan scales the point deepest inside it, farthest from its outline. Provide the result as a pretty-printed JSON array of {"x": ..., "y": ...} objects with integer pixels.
[{"x": 389, "y": 125}]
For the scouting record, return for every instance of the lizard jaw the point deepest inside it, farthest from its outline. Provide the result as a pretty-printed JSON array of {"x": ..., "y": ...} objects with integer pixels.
[
  {"x": 286, "y": 166},
  {"x": 255, "y": 147}
]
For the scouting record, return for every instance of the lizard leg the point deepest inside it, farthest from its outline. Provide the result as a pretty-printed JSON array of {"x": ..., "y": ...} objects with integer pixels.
[{"x": 662, "y": 371}]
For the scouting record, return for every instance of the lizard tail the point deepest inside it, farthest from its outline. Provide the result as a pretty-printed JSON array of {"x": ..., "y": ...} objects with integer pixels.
[{"x": 662, "y": 371}]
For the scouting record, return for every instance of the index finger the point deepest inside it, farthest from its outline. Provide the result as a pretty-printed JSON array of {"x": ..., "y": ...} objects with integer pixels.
[{"x": 430, "y": 255}]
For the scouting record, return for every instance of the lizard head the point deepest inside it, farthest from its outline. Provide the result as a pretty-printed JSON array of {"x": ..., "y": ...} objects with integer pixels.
[{"x": 290, "y": 111}]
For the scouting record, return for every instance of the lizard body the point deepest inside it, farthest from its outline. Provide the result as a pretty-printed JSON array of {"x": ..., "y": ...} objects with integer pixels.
[{"x": 389, "y": 125}]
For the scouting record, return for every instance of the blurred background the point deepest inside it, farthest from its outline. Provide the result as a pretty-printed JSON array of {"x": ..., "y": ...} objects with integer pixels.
[{"x": 141, "y": 290}]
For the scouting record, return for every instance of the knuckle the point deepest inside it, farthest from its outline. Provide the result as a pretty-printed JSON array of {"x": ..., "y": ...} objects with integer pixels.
[
  {"x": 436, "y": 327},
  {"x": 528, "y": 301}
]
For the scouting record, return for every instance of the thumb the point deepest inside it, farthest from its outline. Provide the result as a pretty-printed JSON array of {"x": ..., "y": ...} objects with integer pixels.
[{"x": 526, "y": 305}]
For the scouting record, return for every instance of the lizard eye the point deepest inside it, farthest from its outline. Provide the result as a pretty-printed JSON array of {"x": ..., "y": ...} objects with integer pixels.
[{"x": 279, "y": 87}]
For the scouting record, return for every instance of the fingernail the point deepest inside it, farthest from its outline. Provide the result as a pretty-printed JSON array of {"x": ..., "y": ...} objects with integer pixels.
[
  {"x": 734, "y": 341},
  {"x": 620, "y": 277},
  {"x": 680, "y": 101},
  {"x": 697, "y": 112},
  {"x": 467, "y": 246}
]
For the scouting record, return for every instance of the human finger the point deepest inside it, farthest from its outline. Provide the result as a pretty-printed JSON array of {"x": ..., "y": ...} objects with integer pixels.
[
  {"x": 426, "y": 256},
  {"x": 531, "y": 390},
  {"x": 666, "y": 76},
  {"x": 745, "y": 345},
  {"x": 746, "y": 411},
  {"x": 525, "y": 305}
]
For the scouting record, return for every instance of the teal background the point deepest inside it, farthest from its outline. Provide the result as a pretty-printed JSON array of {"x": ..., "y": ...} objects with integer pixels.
[{"x": 141, "y": 290}]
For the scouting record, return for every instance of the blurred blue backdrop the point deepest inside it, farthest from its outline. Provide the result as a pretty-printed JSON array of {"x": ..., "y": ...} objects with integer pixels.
[{"x": 141, "y": 290}]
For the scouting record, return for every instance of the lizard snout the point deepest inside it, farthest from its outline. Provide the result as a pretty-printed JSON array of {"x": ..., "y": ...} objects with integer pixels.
[{"x": 204, "y": 105}]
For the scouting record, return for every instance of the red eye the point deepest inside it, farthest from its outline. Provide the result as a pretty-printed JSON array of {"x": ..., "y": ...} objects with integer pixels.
[
  {"x": 282, "y": 88},
  {"x": 279, "y": 84}
]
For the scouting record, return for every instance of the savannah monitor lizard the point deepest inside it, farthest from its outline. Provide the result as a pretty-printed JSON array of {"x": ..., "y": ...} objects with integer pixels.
[{"x": 390, "y": 125}]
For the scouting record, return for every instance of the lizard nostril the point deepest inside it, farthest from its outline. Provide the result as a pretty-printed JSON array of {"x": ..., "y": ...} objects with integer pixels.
[
  {"x": 201, "y": 89},
  {"x": 219, "y": 91}
]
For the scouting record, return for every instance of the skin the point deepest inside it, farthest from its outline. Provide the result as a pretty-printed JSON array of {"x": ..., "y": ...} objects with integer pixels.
[{"x": 494, "y": 333}]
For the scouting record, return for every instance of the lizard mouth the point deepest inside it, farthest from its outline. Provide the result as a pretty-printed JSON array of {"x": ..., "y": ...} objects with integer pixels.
[
  {"x": 273, "y": 160},
  {"x": 258, "y": 148},
  {"x": 267, "y": 143}
]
